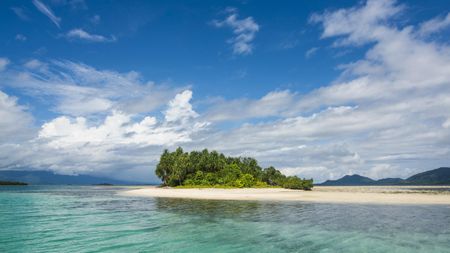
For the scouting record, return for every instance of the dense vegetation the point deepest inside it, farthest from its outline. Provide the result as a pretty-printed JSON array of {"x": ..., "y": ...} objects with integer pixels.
[{"x": 213, "y": 169}]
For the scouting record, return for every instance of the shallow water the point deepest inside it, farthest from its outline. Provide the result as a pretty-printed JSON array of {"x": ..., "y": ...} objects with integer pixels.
[{"x": 96, "y": 219}]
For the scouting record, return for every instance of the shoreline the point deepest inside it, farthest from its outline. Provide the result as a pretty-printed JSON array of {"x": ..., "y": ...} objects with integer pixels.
[{"x": 415, "y": 195}]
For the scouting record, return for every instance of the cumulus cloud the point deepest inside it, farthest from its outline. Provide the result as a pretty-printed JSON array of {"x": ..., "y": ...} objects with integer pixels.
[
  {"x": 118, "y": 129},
  {"x": 81, "y": 34},
  {"x": 44, "y": 9},
  {"x": 244, "y": 30},
  {"x": 119, "y": 137},
  {"x": 108, "y": 123},
  {"x": 180, "y": 109},
  {"x": 72, "y": 145}
]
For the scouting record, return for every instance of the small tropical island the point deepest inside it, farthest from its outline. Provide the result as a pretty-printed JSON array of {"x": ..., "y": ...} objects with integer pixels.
[
  {"x": 211, "y": 175},
  {"x": 204, "y": 169}
]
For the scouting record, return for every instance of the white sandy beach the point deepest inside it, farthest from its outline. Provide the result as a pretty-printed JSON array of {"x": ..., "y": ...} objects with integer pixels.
[{"x": 325, "y": 194}]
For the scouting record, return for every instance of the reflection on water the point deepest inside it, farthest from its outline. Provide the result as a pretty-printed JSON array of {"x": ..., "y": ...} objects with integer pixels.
[
  {"x": 96, "y": 219},
  {"x": 337, "y": 217}
]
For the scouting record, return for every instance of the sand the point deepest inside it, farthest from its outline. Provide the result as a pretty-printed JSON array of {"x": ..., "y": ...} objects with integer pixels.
[{"x": 324, "y": 194}]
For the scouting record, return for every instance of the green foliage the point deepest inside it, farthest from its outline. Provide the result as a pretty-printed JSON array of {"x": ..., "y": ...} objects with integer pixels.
[
  {"x": 212, "y": 169},
  {"x": 294, "y": 182}
]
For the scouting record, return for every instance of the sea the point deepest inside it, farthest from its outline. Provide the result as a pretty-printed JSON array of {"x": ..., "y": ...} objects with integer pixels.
[{"x": 98, "y": 219}]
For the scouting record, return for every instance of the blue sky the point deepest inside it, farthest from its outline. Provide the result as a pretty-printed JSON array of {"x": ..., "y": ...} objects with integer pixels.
[{"x": 317, "y": 88}]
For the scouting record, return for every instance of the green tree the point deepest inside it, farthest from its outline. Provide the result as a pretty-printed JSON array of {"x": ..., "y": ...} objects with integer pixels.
[{"x": 164, "y": 167}]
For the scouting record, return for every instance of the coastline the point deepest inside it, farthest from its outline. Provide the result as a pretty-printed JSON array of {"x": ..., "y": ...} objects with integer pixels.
[{"x": 414, "y": 195}]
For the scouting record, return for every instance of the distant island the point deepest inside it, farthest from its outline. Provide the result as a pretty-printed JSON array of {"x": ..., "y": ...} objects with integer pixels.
[
  {"x": 213, "y": 169},
  {"x": 12, "y": 183},
  {"x": 440, "y": 176}
]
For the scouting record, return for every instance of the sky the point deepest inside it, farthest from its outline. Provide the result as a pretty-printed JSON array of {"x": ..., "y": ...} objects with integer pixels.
[{"x": 318, "y": 89}]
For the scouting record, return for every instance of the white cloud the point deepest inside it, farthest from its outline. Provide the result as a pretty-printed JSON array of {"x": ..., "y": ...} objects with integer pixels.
[
  {"x": 3, "y": 63},
  {"x": 107, "y": 123},
  {"x": 118, "y": 129},
  {"x": 77, "y": 89},
  {"x": 244, "y": 30},
  {"x": 15, "y": 123},
  {"x": 272, "y": 104},
  {"x": 180, "y": 110},
  {"x": 44, "y": 9},
  {"x": 120, "y": 140},
  {"x": 359, "y": 24},
  {"x": 72, "y": 145},
  {"x": 80, "y": 34},
  {"x": 434, "y": 25}
]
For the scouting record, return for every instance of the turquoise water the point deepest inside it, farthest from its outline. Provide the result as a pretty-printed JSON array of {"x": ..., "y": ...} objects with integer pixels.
[{"x": 96, "y": 219}]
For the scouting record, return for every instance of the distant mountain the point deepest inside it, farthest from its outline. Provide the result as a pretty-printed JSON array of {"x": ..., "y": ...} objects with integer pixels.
[
  {"x": 46, "y": 177},
  {"x": 440, "y": 176},
  {"x": 351, "y": 180}
]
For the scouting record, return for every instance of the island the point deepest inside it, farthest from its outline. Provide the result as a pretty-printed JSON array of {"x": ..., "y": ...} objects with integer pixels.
[
  {"x": 213, "y": 176},
  {"x": 198, "y": 169},
  {"x": 12, "y": 183}
]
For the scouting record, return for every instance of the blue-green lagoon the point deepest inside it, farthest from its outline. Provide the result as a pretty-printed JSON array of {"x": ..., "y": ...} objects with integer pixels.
[{"x": 97, "y": 219}]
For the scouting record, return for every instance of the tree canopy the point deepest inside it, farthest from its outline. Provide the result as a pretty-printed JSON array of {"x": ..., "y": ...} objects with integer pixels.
[{"x": 204, "y": 168}]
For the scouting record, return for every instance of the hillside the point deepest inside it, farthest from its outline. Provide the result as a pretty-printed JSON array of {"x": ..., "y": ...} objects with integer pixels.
[{"x": 440, "y": 176}]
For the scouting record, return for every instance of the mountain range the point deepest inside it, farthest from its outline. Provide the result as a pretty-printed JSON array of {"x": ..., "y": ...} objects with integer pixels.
[
  {"x": 440, "y": 176},
  {"x": 49, "y": 178}
]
